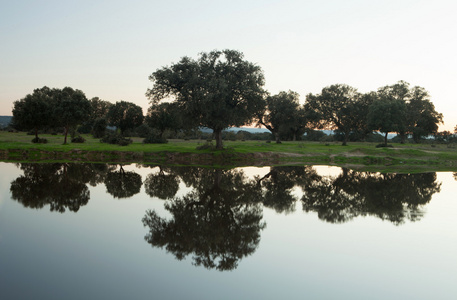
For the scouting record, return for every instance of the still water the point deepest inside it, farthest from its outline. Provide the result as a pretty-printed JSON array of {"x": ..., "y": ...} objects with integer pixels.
[{"x": 96, "y": 231}]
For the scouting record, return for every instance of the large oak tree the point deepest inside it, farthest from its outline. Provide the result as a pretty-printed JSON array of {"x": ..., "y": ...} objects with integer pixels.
[{"x": 218, "y": 90}]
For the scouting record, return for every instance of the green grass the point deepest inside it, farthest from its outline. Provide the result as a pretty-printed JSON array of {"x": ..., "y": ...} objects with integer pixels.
[{"x": 18, "y": 147}]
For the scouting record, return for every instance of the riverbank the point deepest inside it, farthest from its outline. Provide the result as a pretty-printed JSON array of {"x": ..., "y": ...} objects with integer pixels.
[{"x": 17, "y": 147}]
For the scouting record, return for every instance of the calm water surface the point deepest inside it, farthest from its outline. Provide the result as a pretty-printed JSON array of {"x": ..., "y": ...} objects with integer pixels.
[{"x": 84, "y": 231}]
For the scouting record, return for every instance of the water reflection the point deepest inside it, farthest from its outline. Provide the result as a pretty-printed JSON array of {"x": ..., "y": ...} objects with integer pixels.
[
  {"x": 218, "y": 223},
  {"x": 278, "y": 184},
  {"x": 219, "y": 220},
  {"x": 392, "y": 197},
  {"x": 163, "y": 185},
  {"x": 62, "y": 186},
  {"x": 123, "y": 184}
]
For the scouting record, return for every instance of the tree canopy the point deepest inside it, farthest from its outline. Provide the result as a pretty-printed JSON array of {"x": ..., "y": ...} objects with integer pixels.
[
  {"x": 34, "y": 111},
  {"x": 125, "y": 115},
  {"x": 338, "y": 107},
  {"x": 71, "y": 108},
  {"x": 218, "y": 90},
  {"x": 282, "y": 114}
]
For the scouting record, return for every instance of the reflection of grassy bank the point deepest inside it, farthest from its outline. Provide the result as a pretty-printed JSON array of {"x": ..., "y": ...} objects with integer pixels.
[{"x": 17, "y": 147}]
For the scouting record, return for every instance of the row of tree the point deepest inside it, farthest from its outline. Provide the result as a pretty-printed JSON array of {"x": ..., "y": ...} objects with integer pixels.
[
  {"x": 50, "y": 108},
  {"x": 221, "y": 90}
]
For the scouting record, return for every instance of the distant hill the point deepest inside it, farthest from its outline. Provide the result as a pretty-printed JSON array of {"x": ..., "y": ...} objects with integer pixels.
[{"x": 5, "y": 121}]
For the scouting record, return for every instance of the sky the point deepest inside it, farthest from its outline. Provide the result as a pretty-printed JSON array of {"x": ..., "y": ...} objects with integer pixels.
[{"x": 108, "y": 49}]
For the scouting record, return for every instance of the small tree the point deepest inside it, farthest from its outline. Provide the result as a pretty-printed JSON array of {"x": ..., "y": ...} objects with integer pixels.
[
  {"x": 164, "y": 116},
  {"x": 71, "y": 108},
  {"x": 387, "y": 116},
  {"x": 125, "y": 115},
  {"x": 337, "y": 106},
  {"x": 281, "y": 113},
  {"x": 34, "y": 111}
]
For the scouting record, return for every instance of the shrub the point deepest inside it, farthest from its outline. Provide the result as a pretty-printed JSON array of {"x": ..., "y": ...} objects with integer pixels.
[
  {"x": 116, "y": 139},
  {"x": 143, "y": 131},
  {"x": 78, "y": 139},
  {"x": 383, "y": 146},
  {"x": 154, "y": 139},
  {"x": 39, "y": 141}
]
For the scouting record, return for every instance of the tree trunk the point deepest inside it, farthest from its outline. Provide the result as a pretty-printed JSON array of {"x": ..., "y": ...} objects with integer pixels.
[
  {"x": 403, "y": 138},
  {"x": 36, "y": 134},
  {"x": 385, "y": 139},
  {"x": 277, "y": 138},
  {"x": 218, "y": 138},
  {"x": 66, "y": 133},
  {"x": 345, "y": 139}
]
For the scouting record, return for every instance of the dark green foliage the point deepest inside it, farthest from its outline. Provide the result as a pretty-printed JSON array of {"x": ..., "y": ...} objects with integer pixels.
[
  {"x": 314, "y": 135},
  {"x": 99, "y": 127},
  {"x": 78, "y": 139},
  {"x": 35, "y": 111},
  {"x": 125, "y": 115},
  {"x": 383, "y": 146},
  {"x": 154, "y": 139},
  {"x": 71, "y": 108},
  {"x": 283, "y": 115},
  {"x": 143, "y": 130},
  {"x": 387, "y": 115},
  {"x": 339, "y": 107},
  {"x": 116, "y": 139},
  {"x": 165, "y": 116},
  {"x": 217, "y": 91}
]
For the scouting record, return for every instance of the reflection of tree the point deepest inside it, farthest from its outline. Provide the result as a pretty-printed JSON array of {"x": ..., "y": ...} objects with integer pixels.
[
  {"x": 62, "y": 186},
  {"x": 161, "y": 185},
  {"x": 122, "y": 184},
  {"x": 218, "y": 223},
  {"x": 393, "y": 197},
  {"x": 277, "y": 186}
]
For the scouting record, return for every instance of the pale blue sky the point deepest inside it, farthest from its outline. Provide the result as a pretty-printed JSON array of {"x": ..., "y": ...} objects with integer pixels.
[{"x": 109, "y": 48}]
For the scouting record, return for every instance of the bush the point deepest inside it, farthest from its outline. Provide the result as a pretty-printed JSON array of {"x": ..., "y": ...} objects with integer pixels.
[
  {"x": 78, "y": 139},
  {"x": 383, "y": 146},
  {"x": 154, "y": 139},
  {"x": 143, "y": 131},
  {"x": 206, "y": 146},
  {"x": 39, "y": 141},
  {"x": 116, "y": 139}
]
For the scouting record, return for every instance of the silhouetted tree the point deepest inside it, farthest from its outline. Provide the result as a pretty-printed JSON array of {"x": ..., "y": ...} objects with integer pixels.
[
  {"x": 125, "y": 115},
  {"x": 217, "y": 91},
  {"x": 337, "y": 106},
  {"x": 34, "y": 111}
]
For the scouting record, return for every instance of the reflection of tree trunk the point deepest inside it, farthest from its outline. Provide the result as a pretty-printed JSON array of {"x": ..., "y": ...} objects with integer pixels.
[
  {"x": 385, "y": 139},
  {"x": 218, "y": 137}
]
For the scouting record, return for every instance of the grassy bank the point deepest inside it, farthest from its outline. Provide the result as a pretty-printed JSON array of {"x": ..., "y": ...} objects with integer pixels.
[{"x": 18, "y": 147}]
